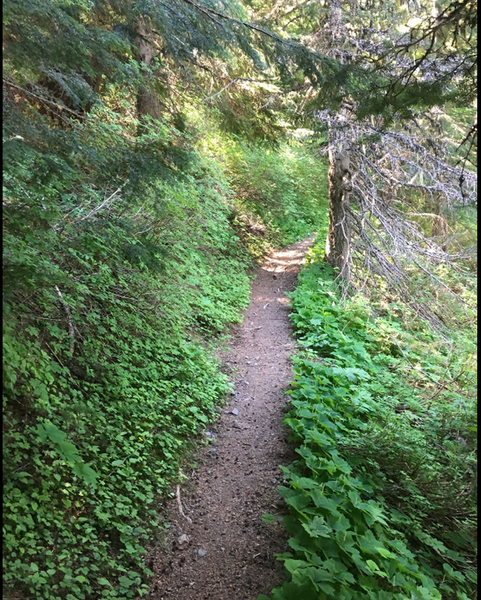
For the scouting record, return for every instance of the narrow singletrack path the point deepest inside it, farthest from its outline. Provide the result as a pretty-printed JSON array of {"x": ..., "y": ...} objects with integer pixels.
[{"x": 221, "y": 549}]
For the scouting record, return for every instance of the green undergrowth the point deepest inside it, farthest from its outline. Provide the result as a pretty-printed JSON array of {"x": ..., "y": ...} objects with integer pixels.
[
  {"x": 281, "y": 192},
  {"x": 382, "y": 497},
  {"x": 284, "y": 188},
  {"x": 122, "y": 267}
]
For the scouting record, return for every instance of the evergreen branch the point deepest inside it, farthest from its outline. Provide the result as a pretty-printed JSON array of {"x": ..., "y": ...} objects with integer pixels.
[
  {"x": 289, "y": 42},
  {"x": 445, "y": 17},
  {"x": 210, "y": 12},
  {"x": 236, "y": 79},
  {"x": 56, "y": 105}
]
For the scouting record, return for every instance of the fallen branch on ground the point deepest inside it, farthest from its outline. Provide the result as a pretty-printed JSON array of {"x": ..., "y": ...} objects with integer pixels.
[{"x": 179, "y": 504}]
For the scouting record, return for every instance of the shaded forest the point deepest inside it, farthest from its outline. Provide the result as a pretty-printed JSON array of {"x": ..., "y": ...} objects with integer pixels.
[{"x": 153, "y": 154}]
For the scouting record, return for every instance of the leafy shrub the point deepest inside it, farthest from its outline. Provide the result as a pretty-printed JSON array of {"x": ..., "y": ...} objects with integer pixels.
[
  {"x": 285, "y": 188},
  {"x": 121, "y": 268},
  {"x": 281, "y": 193},
  {"x": 382, "y": 497}
]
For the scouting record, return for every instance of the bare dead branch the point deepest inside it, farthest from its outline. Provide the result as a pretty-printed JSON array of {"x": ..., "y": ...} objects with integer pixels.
[{"x": 389, "y": 172}]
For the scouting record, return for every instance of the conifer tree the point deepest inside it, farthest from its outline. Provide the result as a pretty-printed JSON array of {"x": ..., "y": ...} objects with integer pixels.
[
  {"x": 344, "y": 58},
  {"x": 383, "y": 160}
]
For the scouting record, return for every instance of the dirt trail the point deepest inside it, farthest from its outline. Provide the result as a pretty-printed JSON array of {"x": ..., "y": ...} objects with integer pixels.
[{"x": 226, "y": 551}]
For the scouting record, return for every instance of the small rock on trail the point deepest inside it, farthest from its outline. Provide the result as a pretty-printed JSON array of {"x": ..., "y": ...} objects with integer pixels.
[{"x": 235, "y": 485}]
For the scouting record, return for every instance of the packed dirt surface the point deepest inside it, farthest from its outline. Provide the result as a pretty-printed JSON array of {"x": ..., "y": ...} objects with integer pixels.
[{"x": 220, "y": 548}]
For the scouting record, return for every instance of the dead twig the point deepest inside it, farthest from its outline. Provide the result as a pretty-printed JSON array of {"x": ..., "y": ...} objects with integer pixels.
[
  {"x": 104, "y": 203},
  {"x": 179, "y": 504}
]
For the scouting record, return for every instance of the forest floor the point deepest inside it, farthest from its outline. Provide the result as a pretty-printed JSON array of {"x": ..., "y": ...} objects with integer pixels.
[{"x": 219, "y": 548}]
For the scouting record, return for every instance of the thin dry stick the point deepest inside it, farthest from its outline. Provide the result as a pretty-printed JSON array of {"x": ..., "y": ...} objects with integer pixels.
[
  {"x": 100, "y": 206},
  {"x": 179, "y": 504},
  {"x": 241, "y": 79},
  {"x": 52, "y": 351}
]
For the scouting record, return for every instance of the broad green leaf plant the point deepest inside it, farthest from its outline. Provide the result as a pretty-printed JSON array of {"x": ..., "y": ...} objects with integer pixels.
[{"x": 382, "y": 496}]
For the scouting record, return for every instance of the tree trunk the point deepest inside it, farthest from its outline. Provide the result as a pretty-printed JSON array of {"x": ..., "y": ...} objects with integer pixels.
[
  {"x": 338, "y": 243},
  {"x": 148, "y": 103},
  {"x": 339, "y": 232}
]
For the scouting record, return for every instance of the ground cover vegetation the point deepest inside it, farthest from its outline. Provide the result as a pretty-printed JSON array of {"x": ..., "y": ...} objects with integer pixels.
[
  {"x": 151, "y": 152},
  {"x": 382, "y": 497},
  {"x": 114, "y": 291}
]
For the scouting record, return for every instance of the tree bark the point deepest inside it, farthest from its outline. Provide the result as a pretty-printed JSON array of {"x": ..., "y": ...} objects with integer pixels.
[
  {"x": 338, "y": 243},
  {"x": 148, "y": 103}
]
